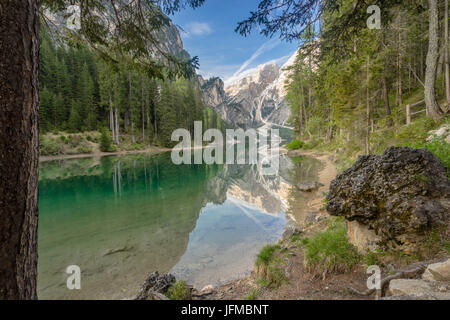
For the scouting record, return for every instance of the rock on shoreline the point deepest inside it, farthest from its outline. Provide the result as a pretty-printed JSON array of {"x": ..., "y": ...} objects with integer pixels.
[{"x": 400, "y": 195}]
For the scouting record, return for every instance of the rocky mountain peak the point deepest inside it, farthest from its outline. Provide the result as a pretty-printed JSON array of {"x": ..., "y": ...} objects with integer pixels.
[
  {"x": 213, "y": 91},
  {"x": 254, "y": 99}
]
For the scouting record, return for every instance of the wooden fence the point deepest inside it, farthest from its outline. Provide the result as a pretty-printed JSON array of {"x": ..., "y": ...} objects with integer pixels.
[{"x": 409, "y": 113}]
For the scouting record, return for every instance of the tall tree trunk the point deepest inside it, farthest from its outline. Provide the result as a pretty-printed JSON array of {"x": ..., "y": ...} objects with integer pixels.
[
  {"x": 117, "y": 126},
  {"x": 112, "y": 125},
  {"x": 399, "y": 69},
  {"x": 387, "y": 108},
  {"x": 126, "y": 120},
  {"x": 143, "y": 108},
  {"x": 431, "y": 62},
  {"x": 446, "y": 55},
  {"x": 368, "y": 108},
  {"x": 19, "y": 147}
]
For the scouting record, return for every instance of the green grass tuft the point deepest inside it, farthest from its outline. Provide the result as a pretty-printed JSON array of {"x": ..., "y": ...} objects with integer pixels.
[
  {"x": 295, "y": 144},
  {"x": 330, "y": 251},
  {"x": 266, "y": 255},
  {"x": 179, "y": 291}
]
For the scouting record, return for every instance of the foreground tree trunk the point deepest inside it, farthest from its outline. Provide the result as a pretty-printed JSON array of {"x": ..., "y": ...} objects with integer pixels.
[
  {"x": 19, "y": 105},
  {"x": 431, "y": 63}
]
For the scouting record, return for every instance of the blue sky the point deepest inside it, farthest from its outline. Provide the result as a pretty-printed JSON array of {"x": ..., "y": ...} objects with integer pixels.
[{"x": 209, "y": 34}]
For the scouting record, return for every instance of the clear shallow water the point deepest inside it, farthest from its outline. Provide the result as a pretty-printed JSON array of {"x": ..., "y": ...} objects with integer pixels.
[{"x": 121, "y": 218}]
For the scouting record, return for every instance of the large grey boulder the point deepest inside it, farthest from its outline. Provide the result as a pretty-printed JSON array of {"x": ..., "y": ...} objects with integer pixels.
[
  {"x": 400, "y": 195},
  {"x": 438, "y": 271},
  {"x": 420, "y": 288}
]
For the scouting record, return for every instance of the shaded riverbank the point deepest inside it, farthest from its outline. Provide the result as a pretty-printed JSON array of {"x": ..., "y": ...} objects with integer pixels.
[{"x": 98, "y": 154}]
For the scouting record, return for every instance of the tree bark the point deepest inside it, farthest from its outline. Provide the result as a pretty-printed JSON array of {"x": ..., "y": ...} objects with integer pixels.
[
  {"x": 112, "y": 124},
  {"x": 368, "y": 107},
  {"x": 446, "y": 57},
  {"x": 143, "y": 108},
  {"x": 431, "y": 63},
  {"x": 117, "y": 126},
  {"x": 387, "y": 107},
  {"x": 19, "y": 147}
]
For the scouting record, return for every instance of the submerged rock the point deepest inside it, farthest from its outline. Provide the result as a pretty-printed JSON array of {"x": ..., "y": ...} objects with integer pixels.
[
  {"x": 308, "y": 186},
  {"x": 400, "y": 195}
]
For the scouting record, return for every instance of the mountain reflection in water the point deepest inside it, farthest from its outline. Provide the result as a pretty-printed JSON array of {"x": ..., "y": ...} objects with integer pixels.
[{"x": 121, "y": 218}]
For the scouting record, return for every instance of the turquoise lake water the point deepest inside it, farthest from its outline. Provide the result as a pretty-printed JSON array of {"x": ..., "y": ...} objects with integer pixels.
[{"x": 120, "y": 218}]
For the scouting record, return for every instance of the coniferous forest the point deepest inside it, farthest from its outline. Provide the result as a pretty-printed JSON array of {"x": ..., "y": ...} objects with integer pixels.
[
  {"x": 360, "y": 89},
  {"x": 81, "y": 93}
]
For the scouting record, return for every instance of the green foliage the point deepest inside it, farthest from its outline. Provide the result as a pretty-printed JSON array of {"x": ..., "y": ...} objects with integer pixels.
[
  {"x": 295, "y": 144},
  {"x": 330, "y": 251},
  {"x": 372, "y": 258},
  {"x": 84, "y": 149},
  {"x": 268, "y": 271},
  {"x": 266, "y": 254},
  {"x": 417, "y": 130},
  {"x": 105, "y": 141},
  {"x": 253, "y": 294},
  {"x": 313, "y": 143},
  {"x": 446, "y": 246},
  {"x": 273, "y": 277},
  {"x": 438, "y": 147},
  {"x": 179, "y": 291},
  {"x": 79, "y": 92},
  {"x": 48, "y": 147},
  {"x": 74, "y": 140}
]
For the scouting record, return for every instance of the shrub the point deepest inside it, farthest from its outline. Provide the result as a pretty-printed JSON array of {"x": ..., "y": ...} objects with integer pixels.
[
  {"x": 105, "y": 141},
  {"x": 265, "y": 256},
  {"x": 179, "y": 291},
  {"x": 417, "y": 130},
  {"x": 330, "y": 251},
  {"x": 84, "y": 149},
  {"x": 48, "y": 147},
  {"x": 252, "y": 295},
  {"x": 295, "y": 144},
  {"x": 313, "y": 143},
  {"x": 74, "y": 140},
  {"x": 372, "y": 258},
  {"x": 266, "y": 268}
]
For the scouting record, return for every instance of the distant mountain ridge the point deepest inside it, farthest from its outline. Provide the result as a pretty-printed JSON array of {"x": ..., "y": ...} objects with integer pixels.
[{"x": 254, "y": 100}]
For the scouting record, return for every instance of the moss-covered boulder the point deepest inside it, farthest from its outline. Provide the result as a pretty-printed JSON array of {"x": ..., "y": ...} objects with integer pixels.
[{"x": 401, "y": 195}]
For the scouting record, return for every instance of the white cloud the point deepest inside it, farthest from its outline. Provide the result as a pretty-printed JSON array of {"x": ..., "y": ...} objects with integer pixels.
[
  {"x": 224, "y": 71},
  {"x": 243, "y": 69},
  {"x": 236, "y": 77},
  {"x": 198, "y": 28}
]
